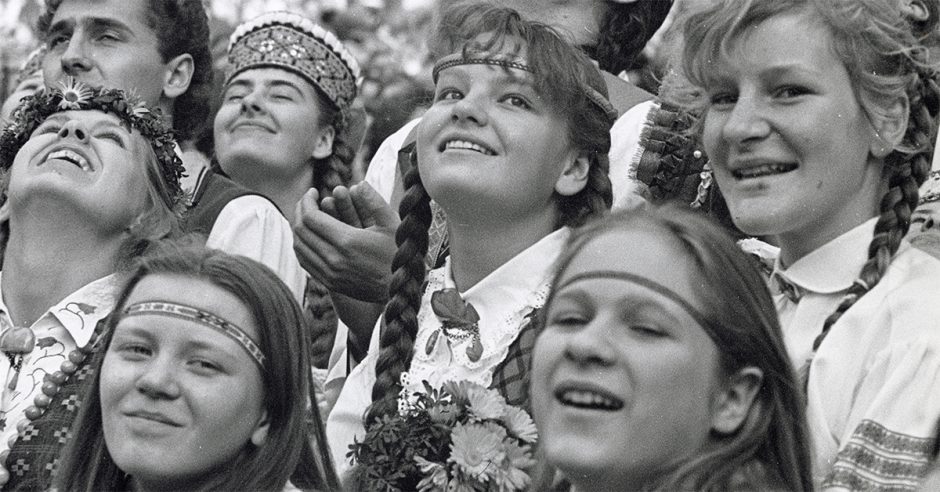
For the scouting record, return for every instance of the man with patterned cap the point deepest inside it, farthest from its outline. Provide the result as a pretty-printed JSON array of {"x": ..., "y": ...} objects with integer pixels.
[
  {"x": 159, "y": 50},
  {"x": 64, "y": 233}
]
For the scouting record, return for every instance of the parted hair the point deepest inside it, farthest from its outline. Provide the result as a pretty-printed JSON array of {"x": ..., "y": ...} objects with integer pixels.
[
  {"x": 560, "y": 73},
  {"x": 181, "y": 26},
  {"x": 886, "y": 53},
  {"x": 295, "y": 447},
  {"x": 771, "y": 449}
]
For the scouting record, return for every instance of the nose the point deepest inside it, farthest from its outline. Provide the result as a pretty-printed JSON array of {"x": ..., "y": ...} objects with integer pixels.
[
  {"x": 74, "y": 129},
  {"x": 75, "y": 60},
  {"x": 252, "y": 104},
  {"x": 592, "y": 345},
  {"x": 158, "y": 379},
  {"x": 470, "y": 110},
  {"x": 747, "y": 121}
]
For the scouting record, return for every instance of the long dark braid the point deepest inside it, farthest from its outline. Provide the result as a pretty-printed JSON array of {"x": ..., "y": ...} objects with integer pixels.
[
  {"x": 397, "y": 338},
  {"x": 908, "y": 172}
]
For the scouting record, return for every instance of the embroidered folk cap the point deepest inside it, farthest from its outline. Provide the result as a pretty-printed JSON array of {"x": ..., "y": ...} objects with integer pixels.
[
  {"x": 293, "y": 42},
  {"x": 76, "y": 96}
]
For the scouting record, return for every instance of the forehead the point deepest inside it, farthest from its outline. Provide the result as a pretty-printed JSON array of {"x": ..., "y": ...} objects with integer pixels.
[
  {"x": 644, "y": 252},
  {"x": 130, "y": 13},
  {"x": 198, "y": 293},
  {"x": 791, "y": 40}
]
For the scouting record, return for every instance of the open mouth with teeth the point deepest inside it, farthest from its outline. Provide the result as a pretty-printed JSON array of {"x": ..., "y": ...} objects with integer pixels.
[
  {"x": 590, "y": 400},
  {"x": 762, "y": 170},
  {"x": 69, "y": 156},
  {"x": 466, "y": 145}
]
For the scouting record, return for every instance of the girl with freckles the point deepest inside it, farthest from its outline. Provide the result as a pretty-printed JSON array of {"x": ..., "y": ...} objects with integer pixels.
[
  {"x": 514, "y": 150},
  {"x": 819, "y": 119}
]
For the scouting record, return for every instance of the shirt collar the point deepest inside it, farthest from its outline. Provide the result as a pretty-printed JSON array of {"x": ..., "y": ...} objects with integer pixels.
[
  {"x": 832, "y": 267},
  {"x": 81, "y": 310},
  {"x": 520, "y": 276}
]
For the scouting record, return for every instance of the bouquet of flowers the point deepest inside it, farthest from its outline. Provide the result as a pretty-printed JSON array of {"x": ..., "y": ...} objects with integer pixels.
[{"x": 462, "y": 437}]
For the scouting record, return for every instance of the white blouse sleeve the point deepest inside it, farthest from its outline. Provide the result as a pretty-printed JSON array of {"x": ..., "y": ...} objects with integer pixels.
[
  {"x": 252, "y": 226},
  {"x": 892, "y": 425}
]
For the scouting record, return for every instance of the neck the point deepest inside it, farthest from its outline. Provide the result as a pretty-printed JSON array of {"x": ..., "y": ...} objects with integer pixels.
[
  {"x": 284, "y": 190},
  {"x": 796, "y": 245},
  {"x": 479, "y": 248},
  {"x": 46, "y": 261}
]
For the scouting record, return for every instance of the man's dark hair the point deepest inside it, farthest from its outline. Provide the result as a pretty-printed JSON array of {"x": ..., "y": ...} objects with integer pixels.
[
  {"x": 181, "y": 26},
  {"x": 624, "y": 30}
]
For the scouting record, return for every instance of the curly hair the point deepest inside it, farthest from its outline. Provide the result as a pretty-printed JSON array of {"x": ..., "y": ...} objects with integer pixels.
[
  {"x": 886, "y": 55},
  {"x": 181, "y": 26},
  {"x": 624, "y": 30},
  {"x": 588, "y": 128}
]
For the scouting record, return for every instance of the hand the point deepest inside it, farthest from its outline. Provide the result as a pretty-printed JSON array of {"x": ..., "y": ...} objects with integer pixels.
[{"x": 347, "y": 242}]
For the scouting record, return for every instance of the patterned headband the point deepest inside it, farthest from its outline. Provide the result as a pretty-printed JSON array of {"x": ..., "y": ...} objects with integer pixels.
[
  {"x": 292, "y": 42},
  {"x": 455, "y": 59},
  {"x": 188, "y": 313},
  {"x": 73, "y": 95}
]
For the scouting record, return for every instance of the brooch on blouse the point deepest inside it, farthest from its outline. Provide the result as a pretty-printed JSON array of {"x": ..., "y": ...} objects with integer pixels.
[{"x": 459, "y": 321}]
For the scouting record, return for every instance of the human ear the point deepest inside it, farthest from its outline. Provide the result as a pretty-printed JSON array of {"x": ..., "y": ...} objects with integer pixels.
[
  {"x": 916, "y": 10},
  {"x": 735, "y": 400},
  {"x": 323, "y": 145},
  {"x": 177, "y": 76},
  {"x": 260, "y": 434},
  {"x": 574, "y": 176},
  {"x": 889, "y": 127}
]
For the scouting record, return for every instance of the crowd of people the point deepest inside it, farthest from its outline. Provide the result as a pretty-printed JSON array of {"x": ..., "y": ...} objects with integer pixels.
[{"x": 548, "y": 278}]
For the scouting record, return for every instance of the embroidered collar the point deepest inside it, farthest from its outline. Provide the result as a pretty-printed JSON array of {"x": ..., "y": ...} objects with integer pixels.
[
  {"x": 81, "y": 310},
  {"x": 832, "y": 267}
]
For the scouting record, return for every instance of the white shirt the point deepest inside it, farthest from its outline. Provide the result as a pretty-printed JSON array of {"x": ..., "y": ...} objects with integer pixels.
[
  {"x": 502, "y": 299},
  {"x": 63, "y": 328},
  {"x": 252, "y": 226},
  {"x": 874, "y": 384}
]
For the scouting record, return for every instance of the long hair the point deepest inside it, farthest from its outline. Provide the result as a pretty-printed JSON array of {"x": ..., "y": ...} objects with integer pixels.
[
  {"x": 181, "y": 26},
  {"x": 886, "y": 56},
  {"x": 295, "y": 427},
  {"x": 771, "y": 448},
  {"x": 561, "y": 73}
]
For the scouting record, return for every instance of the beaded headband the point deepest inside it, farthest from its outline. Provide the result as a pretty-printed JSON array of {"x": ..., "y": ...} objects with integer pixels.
[
  {"x": 455, "y": 59},
  {"x": 292, "y": 42},
  {"x": 74, "y": 95},
  {"x": 189, "y": 313}
]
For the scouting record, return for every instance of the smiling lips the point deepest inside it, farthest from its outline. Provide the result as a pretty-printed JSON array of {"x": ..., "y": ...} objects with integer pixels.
[
  {"x": 154, "y": 417},
  {"x": 251, "y": 124},
  {"x": 69, "y": 156},
  {"x": 588, "y": 399},
  {"x": 761, "y": 170},
  {"x": 467, "y": 145}
]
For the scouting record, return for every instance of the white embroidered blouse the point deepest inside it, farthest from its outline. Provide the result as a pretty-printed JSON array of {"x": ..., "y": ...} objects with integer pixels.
[
  {"x": 502, "y": 299},
  {"x": 874, "y": 384}
]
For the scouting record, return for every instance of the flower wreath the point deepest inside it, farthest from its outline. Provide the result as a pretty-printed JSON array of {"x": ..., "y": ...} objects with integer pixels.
[{"x": 74, "y": 95}]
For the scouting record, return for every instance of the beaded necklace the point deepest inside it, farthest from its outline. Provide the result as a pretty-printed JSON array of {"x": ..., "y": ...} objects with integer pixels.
[{"x": 52, "y": 384}]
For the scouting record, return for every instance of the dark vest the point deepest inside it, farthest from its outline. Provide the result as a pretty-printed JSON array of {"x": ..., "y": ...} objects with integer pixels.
[{"x": 213, "y": 192}]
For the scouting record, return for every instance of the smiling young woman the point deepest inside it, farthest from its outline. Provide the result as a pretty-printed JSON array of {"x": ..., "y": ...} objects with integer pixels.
[
  {"x": 202, "y": 382},
  {"x": 644, "y": 380},
  {"x": 819, "y": 120}
]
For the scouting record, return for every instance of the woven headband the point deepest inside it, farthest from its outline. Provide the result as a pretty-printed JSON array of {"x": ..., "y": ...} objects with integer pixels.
[
  {"x": 297, "y": 44},
  {"x": 180, "y": 311},
  {"x": 456, "y": 59},
  {"x": 652, "y": 285}
]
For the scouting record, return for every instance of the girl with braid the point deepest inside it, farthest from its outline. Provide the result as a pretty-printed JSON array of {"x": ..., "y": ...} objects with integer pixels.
[
  {"x": 819, "y": 119},
  {"x": 514, "y": 150}
]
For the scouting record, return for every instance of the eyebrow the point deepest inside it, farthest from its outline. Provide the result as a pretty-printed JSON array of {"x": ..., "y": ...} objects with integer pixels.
[
  {"x": 506, "y": 75},
  {"x": 267, "y": 83},
  {"x": 91, "y": 22},
  {"x": 636, "y": 302}
]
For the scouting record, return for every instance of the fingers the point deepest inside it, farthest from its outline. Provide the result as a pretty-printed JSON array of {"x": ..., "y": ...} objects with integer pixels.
[
  {"x": 372, "y": 208},
  {"x": 307, "y": 205},
  {"x": 344, "y": 207}
]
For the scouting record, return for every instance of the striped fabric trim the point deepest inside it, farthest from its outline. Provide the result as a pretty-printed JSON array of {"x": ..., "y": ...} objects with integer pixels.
[{"x": 877, "y": 458}]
